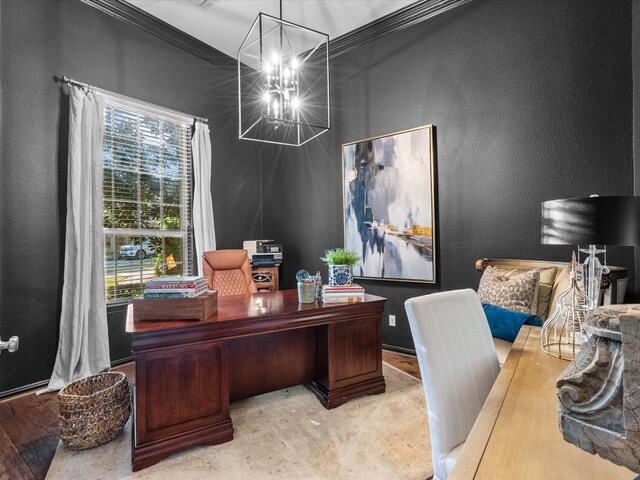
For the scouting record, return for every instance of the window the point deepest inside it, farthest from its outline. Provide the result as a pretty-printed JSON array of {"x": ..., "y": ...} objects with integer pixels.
[{"x": 147, "y": 199}]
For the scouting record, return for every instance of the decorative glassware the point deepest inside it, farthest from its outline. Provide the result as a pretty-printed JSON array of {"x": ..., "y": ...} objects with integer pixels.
[
  {"x": 307, "y": 291},
  {"x": 318, "y": 286},
  {"x": 306, "y": 287}
]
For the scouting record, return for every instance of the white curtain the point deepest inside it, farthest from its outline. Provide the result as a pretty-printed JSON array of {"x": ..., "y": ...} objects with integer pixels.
[
  {"x": 83, "y": 347},
  {"x": 203, "y": 229}
]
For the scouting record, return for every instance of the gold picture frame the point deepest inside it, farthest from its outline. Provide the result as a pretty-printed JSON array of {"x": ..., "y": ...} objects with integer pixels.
[{"x": 388, "y": 185}]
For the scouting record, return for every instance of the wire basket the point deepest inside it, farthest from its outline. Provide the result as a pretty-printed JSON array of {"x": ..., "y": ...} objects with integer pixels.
[
  {"x": 93, "y": 410},
  {"x": 562, "y": 334}
]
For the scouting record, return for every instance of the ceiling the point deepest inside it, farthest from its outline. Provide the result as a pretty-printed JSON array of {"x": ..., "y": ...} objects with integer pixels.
[{"x": 223, "y": 24}]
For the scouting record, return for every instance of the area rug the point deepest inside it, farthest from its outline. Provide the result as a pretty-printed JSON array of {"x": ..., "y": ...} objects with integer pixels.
[{"x": 288, "y": 434}]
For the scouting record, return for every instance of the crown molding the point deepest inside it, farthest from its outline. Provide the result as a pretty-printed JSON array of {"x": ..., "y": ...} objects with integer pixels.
[
  {"x": 137, "y": 17},
  {"x": 409, "y": 15}
]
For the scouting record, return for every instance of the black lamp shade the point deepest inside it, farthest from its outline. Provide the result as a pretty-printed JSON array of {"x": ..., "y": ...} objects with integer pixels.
[{"x": 591, "y": 221}]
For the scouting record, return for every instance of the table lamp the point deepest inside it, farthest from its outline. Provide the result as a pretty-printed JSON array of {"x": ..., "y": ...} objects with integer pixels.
[{"x": 588, "y": 221}]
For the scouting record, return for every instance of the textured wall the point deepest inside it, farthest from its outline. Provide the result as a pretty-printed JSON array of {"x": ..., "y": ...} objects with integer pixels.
[
  {"x": 636, "y": 119},
  {"x": 43, "y": 38},
  {"x": 532, "y": 100}
]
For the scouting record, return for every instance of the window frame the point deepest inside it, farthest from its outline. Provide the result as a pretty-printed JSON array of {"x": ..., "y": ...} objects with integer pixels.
[{"x": 184, "y": 131}]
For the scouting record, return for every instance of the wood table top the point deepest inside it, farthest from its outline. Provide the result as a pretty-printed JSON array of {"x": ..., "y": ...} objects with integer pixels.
[
  {"x": 259, "y": 312},
  {"x": 516, "y": 435}
]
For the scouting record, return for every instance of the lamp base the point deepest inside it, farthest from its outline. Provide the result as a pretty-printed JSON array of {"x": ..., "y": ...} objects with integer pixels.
[{"x": 592, "y": 273}]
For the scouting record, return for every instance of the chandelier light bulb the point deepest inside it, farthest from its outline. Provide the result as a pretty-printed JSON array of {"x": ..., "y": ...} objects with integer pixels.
[
  {"x": 274, "y": 59},
  {"x": 295, "y": 103},
  {"x": 266, "y": 97},
  {"x": 267, "y": 67},
  {"x": 294, "y": 63}
]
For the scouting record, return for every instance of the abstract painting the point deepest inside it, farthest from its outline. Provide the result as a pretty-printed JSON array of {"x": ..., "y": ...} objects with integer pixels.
[{"x": 388, "y": 186}]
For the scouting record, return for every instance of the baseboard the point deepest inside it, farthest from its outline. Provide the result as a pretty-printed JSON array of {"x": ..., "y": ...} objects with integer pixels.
[
  {"x": 25, "y": 388},
  {"x": 393, "y": 348},
  {"x": 120, "y": 361},
  {"x": 43, "y": 383}
]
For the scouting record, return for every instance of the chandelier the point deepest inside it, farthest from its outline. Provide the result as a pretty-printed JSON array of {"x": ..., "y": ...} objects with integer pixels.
[{"x": 283, "y": 82}]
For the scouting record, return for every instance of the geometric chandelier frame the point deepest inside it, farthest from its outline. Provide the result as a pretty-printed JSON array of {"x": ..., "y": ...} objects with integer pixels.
[{"x": 283, "y": 82}]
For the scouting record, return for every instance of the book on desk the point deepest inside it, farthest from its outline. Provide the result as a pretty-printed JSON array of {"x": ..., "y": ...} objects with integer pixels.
[{"x": 342, "y": 293}]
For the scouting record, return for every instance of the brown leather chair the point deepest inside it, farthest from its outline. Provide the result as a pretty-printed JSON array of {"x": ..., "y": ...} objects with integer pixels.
[{"x": 228, "y": 272}]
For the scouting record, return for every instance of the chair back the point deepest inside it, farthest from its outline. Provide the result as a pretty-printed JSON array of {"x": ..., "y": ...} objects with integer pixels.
[
  {"x": 228, "y": 272},
  {"x": 458, "y": 363}
]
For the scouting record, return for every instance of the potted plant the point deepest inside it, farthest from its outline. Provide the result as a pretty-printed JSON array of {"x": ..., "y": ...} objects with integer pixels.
[{"x": 340, "y": 262}]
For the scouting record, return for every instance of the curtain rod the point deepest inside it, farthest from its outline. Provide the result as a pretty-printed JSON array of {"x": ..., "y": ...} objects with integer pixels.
[{"x": 71, "y": 81}]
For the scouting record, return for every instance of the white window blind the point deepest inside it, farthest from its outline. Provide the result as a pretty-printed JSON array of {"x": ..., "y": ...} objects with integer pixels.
[{"x": 147, "y": 199}]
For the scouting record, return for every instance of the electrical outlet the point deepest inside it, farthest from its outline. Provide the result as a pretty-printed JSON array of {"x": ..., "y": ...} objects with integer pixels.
[{"x": 392, "y": 320}]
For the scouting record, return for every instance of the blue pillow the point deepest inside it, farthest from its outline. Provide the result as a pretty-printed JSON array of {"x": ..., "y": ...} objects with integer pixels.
[{"x": 506, "y": 324}]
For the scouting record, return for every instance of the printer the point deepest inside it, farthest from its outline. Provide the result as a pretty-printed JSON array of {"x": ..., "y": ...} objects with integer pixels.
[{"x": 263, "y": 253}]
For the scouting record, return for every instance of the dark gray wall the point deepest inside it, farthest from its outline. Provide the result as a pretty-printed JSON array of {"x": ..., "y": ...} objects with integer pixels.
[
  {"x": 636, "y": 92},
  {"x": 636, "y": 120},
  {"x": 532, "y": 100},
  {"x": 43, "y": 38}
]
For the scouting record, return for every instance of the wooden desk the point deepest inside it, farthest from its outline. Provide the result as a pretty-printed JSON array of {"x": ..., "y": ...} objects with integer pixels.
[
  {"x": 187, "y": 372},
  {"x": 516, "y": 435}
]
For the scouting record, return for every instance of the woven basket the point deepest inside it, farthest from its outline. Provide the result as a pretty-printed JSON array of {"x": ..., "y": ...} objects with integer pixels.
[{"x": 93, "y": 410}]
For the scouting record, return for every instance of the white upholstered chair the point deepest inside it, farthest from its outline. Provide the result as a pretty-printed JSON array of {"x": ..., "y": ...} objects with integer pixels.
[{"x": 458, "y": 364}]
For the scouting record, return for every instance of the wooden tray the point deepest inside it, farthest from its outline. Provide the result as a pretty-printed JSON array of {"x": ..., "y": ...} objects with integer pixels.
[{"x": 197, "y": 308}]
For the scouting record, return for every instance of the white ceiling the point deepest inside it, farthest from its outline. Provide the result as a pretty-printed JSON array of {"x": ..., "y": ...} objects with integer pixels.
[{"x": 223, "y": 24}]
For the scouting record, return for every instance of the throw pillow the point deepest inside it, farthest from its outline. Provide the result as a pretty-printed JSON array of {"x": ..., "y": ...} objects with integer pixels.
[
  {"x": 506, "y": 324},
  {"x": 515, "y": 293},
  {"x": 547, "y": 278}
]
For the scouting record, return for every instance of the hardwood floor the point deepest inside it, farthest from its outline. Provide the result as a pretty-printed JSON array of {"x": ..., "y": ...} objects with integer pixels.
[
  {"x": 29, "y": 425},
  {"x": 405, "y": 362},
  {"x": 29, "y": 432}
]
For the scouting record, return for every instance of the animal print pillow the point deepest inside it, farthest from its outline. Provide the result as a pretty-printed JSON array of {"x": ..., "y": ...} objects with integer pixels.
[
  {"x": 517, "y": 293},
  {"x": 545, "y": 287}
]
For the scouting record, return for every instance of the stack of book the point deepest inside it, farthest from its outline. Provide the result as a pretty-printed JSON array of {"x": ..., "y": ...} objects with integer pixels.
[
  {"x": 343, "y": 294},
  {"x": 175, "y": 287}
]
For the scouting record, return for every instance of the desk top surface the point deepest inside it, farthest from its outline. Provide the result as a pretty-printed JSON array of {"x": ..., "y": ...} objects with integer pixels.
[
  {"x": 263, "y": 307},
  {"x": 516, "y": 434}
]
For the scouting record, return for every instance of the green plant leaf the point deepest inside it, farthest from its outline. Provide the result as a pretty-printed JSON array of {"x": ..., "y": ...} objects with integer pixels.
[{"x": 340, "y": 256}]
